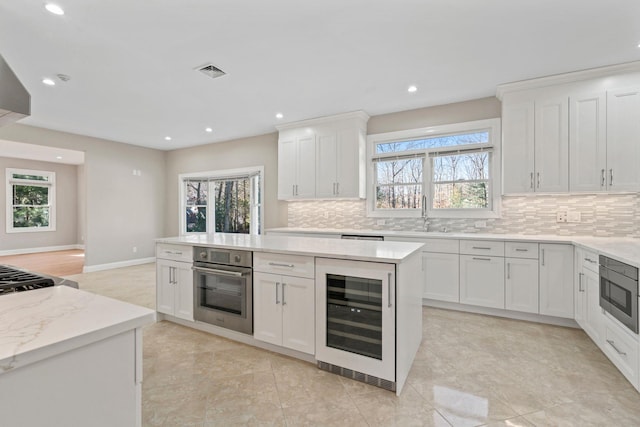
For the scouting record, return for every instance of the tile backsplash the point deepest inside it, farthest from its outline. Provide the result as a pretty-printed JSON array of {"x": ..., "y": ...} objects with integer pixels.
[{"x": 606, "y": 215}]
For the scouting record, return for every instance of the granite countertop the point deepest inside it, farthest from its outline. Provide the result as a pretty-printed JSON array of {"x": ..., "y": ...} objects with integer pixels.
[
  {"x": 358, "y": 250},
  {"x": 624, "y": 249},
  {"x": 43, "y": 323}
]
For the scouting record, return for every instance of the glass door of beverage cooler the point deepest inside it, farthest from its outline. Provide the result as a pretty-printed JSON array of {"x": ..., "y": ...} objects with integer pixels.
[{"x": 355, "y": 316}]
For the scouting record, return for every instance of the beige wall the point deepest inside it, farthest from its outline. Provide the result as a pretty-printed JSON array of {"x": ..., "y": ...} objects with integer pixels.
[
  {"x": 122, "y": 210},
  {"x": 66, "y": 186},
  {"x": 255, "y": 151},
  {"x": 477, "y": 109}
]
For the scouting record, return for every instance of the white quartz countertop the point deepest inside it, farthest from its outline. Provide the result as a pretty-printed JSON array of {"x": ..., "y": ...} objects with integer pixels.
[
  {"x": 43, "y": 323},
  {"x": 391, "y": 252},
  {"x": 621, "y": 248}
]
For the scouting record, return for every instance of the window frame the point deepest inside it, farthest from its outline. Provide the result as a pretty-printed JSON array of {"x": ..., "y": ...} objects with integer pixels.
[
  {"x": 255, "y": 229},
  {"x": 493, "y": 148},
  {"x": 50, "y": 184}
]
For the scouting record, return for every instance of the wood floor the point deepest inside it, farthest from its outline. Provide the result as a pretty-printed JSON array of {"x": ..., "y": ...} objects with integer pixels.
[{"x": 58, "y": 263}]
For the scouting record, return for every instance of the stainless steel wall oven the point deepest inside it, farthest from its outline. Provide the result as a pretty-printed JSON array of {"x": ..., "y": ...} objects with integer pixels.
[
  {"x": 223, "y": 288},
  {"x": 619, "y": 291}
]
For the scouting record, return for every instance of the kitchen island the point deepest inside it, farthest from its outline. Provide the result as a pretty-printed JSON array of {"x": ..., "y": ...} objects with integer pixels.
[
  {"x": 70, "y": 358},
  {"x": 352, "y": 307}
]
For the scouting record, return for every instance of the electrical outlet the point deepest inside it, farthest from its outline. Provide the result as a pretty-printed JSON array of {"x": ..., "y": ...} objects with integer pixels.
[
  {"x": 574, "y": 217},
  {"x": 325, "y": 214},
  {"x": 561, "y": 216},
  {"x": 135, "y": 249},
  {"x": 480, "y": 224},
  {"x": 380, "y": 222}
]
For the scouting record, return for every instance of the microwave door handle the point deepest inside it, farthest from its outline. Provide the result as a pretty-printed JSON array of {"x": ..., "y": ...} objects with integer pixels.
[{"x": 216, "y": 271}]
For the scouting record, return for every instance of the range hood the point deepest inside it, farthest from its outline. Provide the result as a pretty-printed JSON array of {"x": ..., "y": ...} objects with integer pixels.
[{"x": 15, "y": 101}]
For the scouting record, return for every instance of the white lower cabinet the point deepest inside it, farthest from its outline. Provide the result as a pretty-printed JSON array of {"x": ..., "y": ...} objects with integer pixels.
[
  {"x": 482, "y": 281},
  {"x": 556, "y": 280},
  {"x": 621, "y": 347},
  {"x": 441, "y": 276},
  {"x": 284, "y": 311},
  {"x": 521, "y": 285},
  {"x": 174, "y": 281}
]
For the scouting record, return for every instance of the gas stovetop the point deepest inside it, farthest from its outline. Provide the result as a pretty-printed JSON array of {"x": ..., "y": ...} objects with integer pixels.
[{"x": 15, "y": 280}]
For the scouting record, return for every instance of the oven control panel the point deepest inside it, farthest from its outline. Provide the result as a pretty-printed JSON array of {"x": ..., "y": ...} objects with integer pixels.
[{"x": 223, "y": 256}]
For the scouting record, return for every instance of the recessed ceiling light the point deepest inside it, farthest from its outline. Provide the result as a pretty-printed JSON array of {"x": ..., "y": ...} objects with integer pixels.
[
  {"x": 208, "y": 130},
  {"x": 54, "y": 8},
  {"x": 168, "y": 138},
  {"x": 48, "y": 82},
  {"x": 279, "y": 116},
  {"x": 412, "y": 89},
  {"x": 59, "y": 157}
]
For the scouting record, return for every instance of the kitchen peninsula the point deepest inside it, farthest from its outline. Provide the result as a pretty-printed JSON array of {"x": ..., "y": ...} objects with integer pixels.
[
  {"x": 75, "y": 354},
  {"x": 352, "y": 307}
]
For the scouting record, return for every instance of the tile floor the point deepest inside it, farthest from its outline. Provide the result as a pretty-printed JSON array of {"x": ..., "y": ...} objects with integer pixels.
[{"x": 470, "y": 370}]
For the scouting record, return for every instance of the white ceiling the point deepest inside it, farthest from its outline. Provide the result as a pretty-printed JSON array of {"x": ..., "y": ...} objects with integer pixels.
[{"x": 132, "y": 62}]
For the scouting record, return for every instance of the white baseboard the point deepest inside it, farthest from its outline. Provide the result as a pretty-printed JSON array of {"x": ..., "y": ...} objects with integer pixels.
[
  {"x": 530, "y": 317},
  {"x": 39, "y": 250},
  {"x": 119, "y": 264}
]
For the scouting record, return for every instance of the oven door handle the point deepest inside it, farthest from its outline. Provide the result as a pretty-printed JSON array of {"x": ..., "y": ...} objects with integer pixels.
[{"x": 216, "y": 271}]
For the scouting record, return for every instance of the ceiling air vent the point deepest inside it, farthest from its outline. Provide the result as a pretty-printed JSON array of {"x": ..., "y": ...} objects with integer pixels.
[{"x": 211, "y": 71}]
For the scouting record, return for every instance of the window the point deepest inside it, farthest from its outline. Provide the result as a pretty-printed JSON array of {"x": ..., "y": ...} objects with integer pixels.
[
  {"x": 30, "y": 197},
  {"x": 222, "y": 202},
  {"x": 442, "y": 171}
]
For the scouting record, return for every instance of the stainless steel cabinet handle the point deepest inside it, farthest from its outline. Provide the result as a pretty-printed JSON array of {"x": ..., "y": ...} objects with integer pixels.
[
  {"x": 481, "y": 259},
  {"x": 590, "y": 260},
  {"x": 481, "y": 247},
  {"x": 171, "y": 275},
  {"x": 610, "y": 176},
  {"x": 283, "y": 301},
  {"x": 613, "y": 344},
  {"x": 173, "y": 252},
  {"x": 279, "y": 264},
  {"x": 508, "y": 270},
  {"x": 389, "y": 289},
  {"x": 542, "y": 256},
  {"x": 216, "y": 271},
  {"x": 580, "y": 282},
  {"x": 531, "y": 186},
  {"x": 522, "y": 250},
  {"x": 602, "y": 179},
  {"x": 293, "y": 190},
  {"x": 538, "y": 179},
  {"x": 277, "y": 300},
  {"x": 337, "y": 188}
]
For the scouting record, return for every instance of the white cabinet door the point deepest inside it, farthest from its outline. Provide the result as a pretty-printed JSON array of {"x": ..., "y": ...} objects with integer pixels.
[
  {"x": 348, "y": 178},
  {"x": 623, "y": 134},
  {"x": 482, "y": 281},
  {"x": 267, "y": 308},
  {"x": 518, "y": 148},
  {"x": 164, "y": 286},
  {"x": 593, "y": 324},
  {"x": 287, "y": 170},
  {"x": 298, "y": 314},
  {"x": 327, "y": 166},
  {"x": 556, "y": 280},
  {"x": 183, "y": 296},
  {"x": 306, "y": 167},
  {"x": 521, "y": 284},
  {"x": 580, "y": 293},
  {"x": 588, "y": 142},
  {"x": 441, "y": 276},
  {"x": 552, "y": 145}
]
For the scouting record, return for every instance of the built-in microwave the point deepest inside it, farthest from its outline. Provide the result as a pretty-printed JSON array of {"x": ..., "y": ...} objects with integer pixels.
[{"x": 619, "y": 291}]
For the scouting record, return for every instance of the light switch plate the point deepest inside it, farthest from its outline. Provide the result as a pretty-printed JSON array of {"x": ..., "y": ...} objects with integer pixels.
[{"x": 574, "y": 217}]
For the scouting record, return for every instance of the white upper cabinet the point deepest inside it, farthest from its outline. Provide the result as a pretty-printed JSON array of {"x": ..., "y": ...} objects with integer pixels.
[
  {"x": 575, "y": 132},
  {"x": 331, "y": 167},
  {"x": 296, "y": 166},
  {"x": 552, "y": 145},
  {"x": 623, "y": 139},
  {"x": 536, "y": 146},
  {"x": 588, "y": 142}
]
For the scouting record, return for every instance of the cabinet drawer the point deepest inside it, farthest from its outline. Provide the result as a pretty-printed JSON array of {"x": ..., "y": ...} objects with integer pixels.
[
  {"x": 290, "y": 265},
  {"x": 442, "y": 246},
  {"x": 174, "y": 252},
  {"x": 482, "y": 247},
  {"x": 521, "y": 250},
  {"x": 622, "y": 350},
  {"x": 590, "y": 261}
]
